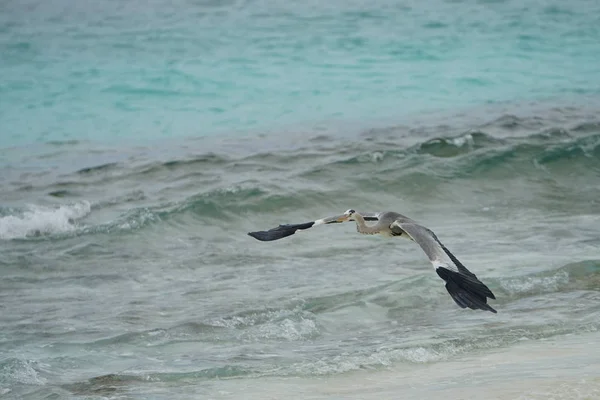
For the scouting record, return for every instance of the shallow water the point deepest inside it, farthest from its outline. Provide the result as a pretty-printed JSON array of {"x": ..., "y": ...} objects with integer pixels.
[
  {"x": 557, "y": 368},
  {"x": 139, "y": 148},
  {"x": 136, "y": 70},
  {"x": 144, "y": 279}
]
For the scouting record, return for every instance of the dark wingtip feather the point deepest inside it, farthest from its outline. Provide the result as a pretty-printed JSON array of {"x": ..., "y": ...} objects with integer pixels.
[
  {"x": 268, "y": 236},
  {"x": 280, "y": 232},
  {"x": 261, "y": 235},
  {"x": 466, "y": 273},
  {"x": 466, "y": 291}
]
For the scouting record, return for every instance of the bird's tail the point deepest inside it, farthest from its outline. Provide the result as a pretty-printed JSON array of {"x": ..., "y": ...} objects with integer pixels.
[{"x": 466, "y": 290}]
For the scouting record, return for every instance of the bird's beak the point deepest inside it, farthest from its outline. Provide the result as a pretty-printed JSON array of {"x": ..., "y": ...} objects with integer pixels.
[{"x": 343, "y": 218}]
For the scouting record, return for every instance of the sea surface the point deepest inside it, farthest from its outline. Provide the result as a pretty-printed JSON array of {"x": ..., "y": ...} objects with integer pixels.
[{"x": 141, "y": 140}]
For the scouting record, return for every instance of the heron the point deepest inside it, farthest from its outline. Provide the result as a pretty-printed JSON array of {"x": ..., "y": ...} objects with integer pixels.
[{"x": 464, "y": 287}]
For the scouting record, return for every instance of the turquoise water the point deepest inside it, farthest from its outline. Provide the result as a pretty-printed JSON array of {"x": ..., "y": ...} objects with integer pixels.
[
  {"x": 141, "y": 141},
  {"x": 135, "y": 70}
]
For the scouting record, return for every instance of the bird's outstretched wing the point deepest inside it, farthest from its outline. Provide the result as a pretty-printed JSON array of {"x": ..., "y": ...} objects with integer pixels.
[
  {"x": 464, "y": 287},
  {"x": 286, "y": 230},
  {"x": 281, "y": 231}
]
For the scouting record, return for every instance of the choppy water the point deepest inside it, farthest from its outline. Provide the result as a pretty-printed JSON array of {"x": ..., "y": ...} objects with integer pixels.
[
  {"x": 120, "y": 70},
  {"x": 139, "y": 144}
]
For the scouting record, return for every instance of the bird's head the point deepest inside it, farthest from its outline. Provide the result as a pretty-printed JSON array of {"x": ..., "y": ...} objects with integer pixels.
[{"x": 347, "y": 216}]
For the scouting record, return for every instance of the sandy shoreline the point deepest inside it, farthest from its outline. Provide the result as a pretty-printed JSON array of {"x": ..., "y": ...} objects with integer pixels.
[{"x": 566, "y": 367}]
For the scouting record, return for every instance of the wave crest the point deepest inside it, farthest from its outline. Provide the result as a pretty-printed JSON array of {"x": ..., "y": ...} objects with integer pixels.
[{"x": 37, "y": 220}]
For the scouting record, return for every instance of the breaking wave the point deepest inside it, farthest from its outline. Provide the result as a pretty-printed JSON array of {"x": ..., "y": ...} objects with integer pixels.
[
  {"x": 34, "y": 221},
  {"x": 223, "y": 187}
]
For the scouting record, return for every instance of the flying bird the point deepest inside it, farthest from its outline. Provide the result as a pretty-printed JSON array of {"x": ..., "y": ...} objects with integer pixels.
[{"x": 464, "y": 287}]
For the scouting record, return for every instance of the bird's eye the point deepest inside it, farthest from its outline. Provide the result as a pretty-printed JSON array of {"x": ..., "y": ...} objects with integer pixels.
[{"x": 351, "y": 211}]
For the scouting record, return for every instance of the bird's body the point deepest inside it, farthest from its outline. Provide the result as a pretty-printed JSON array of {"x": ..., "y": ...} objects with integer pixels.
[
  {"x": 464, "y": 287},
  {"x": 383, "y": 226}
]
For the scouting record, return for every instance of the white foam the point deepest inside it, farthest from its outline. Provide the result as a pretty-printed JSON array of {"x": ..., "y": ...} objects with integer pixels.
[
  {"x": 377, "y": 156},
  {"x": 284, "y": 324},
  {"x": 15, "y": 370},
  {"x": 287, "y": 329},
  {"x": 39, "y": 220},
  {"x": 536, "y": 283},
  {"x": 460, "y": 141},
  {"x": 383, "y": 357}
]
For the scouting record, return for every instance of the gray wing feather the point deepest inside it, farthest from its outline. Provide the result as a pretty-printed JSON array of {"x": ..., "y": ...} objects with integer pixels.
[
  {"x": 463, "y": 286},
  {"x": 425, "y": 238},
  {"x": 286, "y": 230}
]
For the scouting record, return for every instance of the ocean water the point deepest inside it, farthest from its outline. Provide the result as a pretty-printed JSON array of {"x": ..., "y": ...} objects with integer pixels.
[{"x": 141, "y": 141}]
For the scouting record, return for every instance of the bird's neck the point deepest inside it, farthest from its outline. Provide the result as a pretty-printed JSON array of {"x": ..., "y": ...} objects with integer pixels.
[
  {"x": 360, "y": 221},
  {"x": 361, "y": 225}
]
